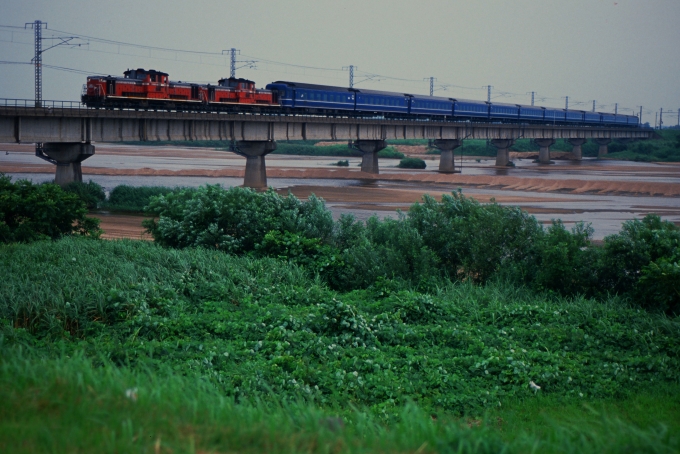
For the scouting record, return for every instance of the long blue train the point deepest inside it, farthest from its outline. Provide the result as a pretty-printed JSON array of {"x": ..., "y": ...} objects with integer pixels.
[{"x": 322, "y": 99}]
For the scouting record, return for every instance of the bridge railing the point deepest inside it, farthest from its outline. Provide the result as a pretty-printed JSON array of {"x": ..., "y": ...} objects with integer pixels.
[{"x": 44, "y": 104}]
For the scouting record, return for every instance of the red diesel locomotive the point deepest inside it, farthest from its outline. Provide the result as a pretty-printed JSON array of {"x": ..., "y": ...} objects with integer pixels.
[{"x": 153, "y": 90}]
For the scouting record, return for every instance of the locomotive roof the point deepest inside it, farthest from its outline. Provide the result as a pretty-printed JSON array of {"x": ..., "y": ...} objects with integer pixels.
[
  {"x": 145, "y": 71},
  {"x": 236, "y": 79}
]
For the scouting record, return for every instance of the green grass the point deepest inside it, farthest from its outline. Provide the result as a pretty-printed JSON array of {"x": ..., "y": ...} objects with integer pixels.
[
  {"x": 256, "y": 326},
  {"x": 70, "y": 405}
]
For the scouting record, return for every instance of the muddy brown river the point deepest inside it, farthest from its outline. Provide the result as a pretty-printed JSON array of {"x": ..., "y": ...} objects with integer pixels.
[{"x": 603, "y": 192}]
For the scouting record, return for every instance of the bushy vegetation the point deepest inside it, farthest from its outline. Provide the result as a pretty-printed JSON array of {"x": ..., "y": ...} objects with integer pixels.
[
  {"x": 412, "y": 163},
  {"x": 456, "y": 238},
  {"x": 342, "y": 163},
  {"x": 133, "y": 199},
  {"x": 257, "y": 322},
  {"x": 253, "y": 327},
  {"x": 30, "y": 212},
  {"x": 665, "y": 149},
  {"x": 91, "y": 193}
]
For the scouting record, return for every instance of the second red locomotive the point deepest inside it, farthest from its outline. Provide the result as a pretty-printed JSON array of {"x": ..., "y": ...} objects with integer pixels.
[{"x": 140, "y": 88}]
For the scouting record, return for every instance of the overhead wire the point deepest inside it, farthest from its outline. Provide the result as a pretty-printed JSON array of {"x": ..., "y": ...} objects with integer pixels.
[{"x": 391, "y": 80}]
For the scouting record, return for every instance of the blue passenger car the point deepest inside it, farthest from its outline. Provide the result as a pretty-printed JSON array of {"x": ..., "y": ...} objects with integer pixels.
[
  {"x": 592, "y": 118},
  {"x": 574, "y": 116},
  {"x": 381, "y": 101},
  {"x": 310, "y": 96},
  {"x": 621, "y": 119},
  {"x": 504, "y": 111},
  {"x": 554, "y": 115},
  {"x": 430, "y": 105},
  {"x": 531, "y": 113},
  {"x": 608, "y": 118},
  {"x": 470, "y": 109}
]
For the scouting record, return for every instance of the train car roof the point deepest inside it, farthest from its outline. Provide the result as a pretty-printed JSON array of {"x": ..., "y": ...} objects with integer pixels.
[
  {"x": 524, "y": 106},
  {"x": 313, "y": 86},
  {"x": 506, "y": 104},
  {"x": 436, "y": 98}
]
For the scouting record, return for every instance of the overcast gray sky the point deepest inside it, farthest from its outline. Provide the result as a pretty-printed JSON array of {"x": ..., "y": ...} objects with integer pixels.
[{"x": 624, "y": 51}]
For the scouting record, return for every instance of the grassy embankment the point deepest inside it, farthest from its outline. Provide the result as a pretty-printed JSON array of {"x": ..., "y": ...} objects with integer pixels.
[
  {"x": 262, "y": 321},
  {"x": 240, "y": 354}
]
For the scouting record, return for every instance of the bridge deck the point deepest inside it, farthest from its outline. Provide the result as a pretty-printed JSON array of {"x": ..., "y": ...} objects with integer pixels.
[{"x": 54, "y": 124}]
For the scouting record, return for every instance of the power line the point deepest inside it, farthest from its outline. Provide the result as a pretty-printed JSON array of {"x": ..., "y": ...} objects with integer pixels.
[{"x": 368, "y": 76}]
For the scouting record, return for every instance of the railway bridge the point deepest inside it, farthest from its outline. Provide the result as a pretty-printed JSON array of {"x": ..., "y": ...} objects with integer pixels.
[{"x": 66, "y": 133}]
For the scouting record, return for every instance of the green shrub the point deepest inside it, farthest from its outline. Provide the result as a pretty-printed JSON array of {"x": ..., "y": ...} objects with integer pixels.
[
  {"x": 659, "y": 285},
  {"x": 412, "y": 163},
  {"x": 390, "y": 153},
  {"x": 234, "y": 220},
  {"x": 91, "y": 193},
  {"x": 472, "y": 239},
  {"x": 132, "y": 198},
  {"x": 650, "y": 244},
  {"x": 31, "y": 212},
  {"x": 344, "y": 163},
  {"x": 564, "y": 262}
]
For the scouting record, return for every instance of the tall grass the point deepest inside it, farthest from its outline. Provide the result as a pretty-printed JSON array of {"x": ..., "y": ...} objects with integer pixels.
[
  {"x": 68, "y": 405},
  {"x": 256, "y": 326}
]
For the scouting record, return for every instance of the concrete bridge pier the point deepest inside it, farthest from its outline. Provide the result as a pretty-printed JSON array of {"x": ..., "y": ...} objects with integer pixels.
[
  {"x": 502, "y": 155},
  {"x": 604, "y": 150},
  {"x": 369, "y": 150},
  {"x": 254, "y": 152},
  {"x": 544, "y": 152},
  {"x": 576, "y": 152},
  {"x": 67, "y": 156},
  {"x": 446, "y": 146}
]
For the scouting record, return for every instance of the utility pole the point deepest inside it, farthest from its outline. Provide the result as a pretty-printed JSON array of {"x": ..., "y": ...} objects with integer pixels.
[
  {"x": 37, "y": 60},
  {"x": 616, "y": 108},
  {"x": 566, "y": 103},
  {"x": 661, "y": 118},
  {"x": 232, "y": 62},
  {"x": 678, "y": 117},
  {"x": 37, "y": 27},
  {"x": 488, "y": 92},
  {"x": 593, "y": 105},
  {"x": 232, "y": 71},
  {"x": 351, "y": 74},
  {"x": 532, "y": 96},
  {"x": 641, "y": 115},
  {"x": 431, "y": 79}
]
